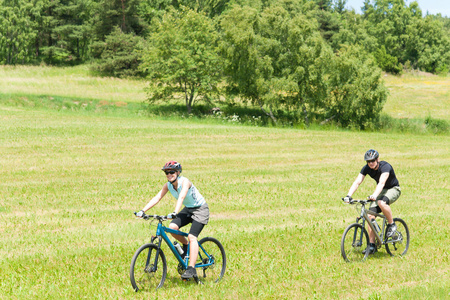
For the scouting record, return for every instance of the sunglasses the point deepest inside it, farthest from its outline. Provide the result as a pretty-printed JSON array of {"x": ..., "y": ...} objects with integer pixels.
[
  {"x": 170, "y": 172},
  {"x": 371, "y": 161}
]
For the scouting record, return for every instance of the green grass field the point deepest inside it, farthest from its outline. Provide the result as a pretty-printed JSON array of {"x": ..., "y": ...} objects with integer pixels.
[{"x": 71, "y": 182}]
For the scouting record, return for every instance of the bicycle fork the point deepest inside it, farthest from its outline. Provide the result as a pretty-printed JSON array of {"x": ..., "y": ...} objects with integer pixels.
[{"x": 149, "y": 256}]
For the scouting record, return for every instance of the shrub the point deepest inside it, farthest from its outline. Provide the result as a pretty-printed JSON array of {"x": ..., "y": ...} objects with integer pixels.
[
  {"x": 118, "y": 55},
  {"x": 437, "y": 126}
]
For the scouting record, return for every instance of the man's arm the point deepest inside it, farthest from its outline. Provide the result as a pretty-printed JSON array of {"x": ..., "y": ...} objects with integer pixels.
[{"x": 380, "y": 186}]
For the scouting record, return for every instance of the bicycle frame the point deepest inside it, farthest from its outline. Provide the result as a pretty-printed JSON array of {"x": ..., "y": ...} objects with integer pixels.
[
  {"x": 161, "y": 231},
  {"x": 365, "y": 217}
]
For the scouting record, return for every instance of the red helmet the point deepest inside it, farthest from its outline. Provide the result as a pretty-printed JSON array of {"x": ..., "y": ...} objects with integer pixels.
[{"x": 172, "y": 165}]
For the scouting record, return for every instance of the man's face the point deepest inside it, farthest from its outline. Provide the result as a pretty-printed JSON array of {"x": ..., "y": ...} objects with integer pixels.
[{"x": 373, "y": 164}]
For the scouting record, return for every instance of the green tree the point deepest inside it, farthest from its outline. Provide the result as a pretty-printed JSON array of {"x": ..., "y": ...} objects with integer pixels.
[
  {"x": 119, "y": 55},
  {"x": 387, "y": 62},
  {"x": 182, "y": 58},
  {"x": 70, "y": 32},
  {"x": 109, "y": 14},
  {"x": 427, "y": 44},
  {"x": 275, "y": 60},
  {"x": 16, "y": 32},
  {"x": 248, "y": 57},
  {"x": 356, "y": 91}
]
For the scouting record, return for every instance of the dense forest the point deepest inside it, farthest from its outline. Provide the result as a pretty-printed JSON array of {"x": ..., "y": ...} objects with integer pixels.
[{"x": 312, "y": 58}]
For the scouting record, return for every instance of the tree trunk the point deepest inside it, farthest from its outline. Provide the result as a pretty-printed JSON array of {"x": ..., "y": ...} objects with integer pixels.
[
  {"x": 270, "y": 113},
  {"x": 305, "y": 112}
]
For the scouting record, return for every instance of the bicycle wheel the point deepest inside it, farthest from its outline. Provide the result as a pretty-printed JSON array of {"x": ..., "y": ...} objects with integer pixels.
[
  {"x": 399, "y": 243},
  {"x": 148, "y": 271},
  {"x": 211, "y": 251},
  {"x": 354, "y": 241}
]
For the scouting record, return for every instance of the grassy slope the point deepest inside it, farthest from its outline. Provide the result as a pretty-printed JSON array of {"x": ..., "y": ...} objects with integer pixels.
[
  {"x": 418, "y": 97},
  {"x": 410, "y": 96},
  {"x": 70, "y": 184}
]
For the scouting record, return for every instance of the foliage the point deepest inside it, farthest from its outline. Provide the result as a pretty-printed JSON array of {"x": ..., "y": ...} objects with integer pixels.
[
  {"x": 110, "y": 14},
  {"x": 387, "y": 62},
  {"x": 274, "y": 60},
  {"x": 16, "y": 32},
  {"x": 357, "y": 94},
  {"x": 182, "y": 58},
  {"x": 119, "y": 55}
]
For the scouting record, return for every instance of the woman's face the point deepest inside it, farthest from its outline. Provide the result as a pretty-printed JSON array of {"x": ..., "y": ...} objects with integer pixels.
[{"x": 171, "y": 175}]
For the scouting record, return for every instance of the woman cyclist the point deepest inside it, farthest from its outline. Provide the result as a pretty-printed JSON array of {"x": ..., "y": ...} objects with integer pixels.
[{"x": 196, "y": 211}]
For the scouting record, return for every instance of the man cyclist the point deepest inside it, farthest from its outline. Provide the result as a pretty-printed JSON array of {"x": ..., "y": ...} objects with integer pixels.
[
  {"x": 386, "y": 192},
  {"x": 196, "y": 211}
]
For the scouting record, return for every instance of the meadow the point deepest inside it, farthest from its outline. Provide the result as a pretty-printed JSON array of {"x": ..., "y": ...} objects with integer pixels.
[{"x": 71, "y": 182}]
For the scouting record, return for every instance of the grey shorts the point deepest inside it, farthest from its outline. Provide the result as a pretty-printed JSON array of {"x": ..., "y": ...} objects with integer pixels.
[
  {"x": 199, "y": 214},
  {"x": 392, "y": 194}
]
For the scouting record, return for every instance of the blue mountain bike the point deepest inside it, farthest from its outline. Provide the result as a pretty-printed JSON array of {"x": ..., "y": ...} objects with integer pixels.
[{"x": 149, "y": 266}]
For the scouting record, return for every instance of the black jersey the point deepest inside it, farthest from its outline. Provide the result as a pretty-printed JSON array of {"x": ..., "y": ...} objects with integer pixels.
[{"x": 384, "y": 167}]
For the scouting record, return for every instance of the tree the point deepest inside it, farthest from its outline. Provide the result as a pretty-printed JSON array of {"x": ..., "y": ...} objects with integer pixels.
[
  {"x": 16, "y": 32},
  {"x": 182, "y": 58},
  {"x": 356, "y": 92},
  {"x": 275, "y": 60},
  {"x": 110, "y": 14},
  {"x": 248, "y": 58},
  {"x": 427, "y": 44},
  {"x": 70, "y": 33},
  {"x": 119, "y": 55}
]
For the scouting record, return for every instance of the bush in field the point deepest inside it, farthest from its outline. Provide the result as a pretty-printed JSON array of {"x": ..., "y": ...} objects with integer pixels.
[
  {"x": 118, "y": 55},
  {"x": 437, "y": 126}
]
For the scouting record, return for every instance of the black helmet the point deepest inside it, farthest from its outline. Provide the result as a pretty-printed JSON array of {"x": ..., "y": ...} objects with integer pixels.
[
  {"x": 371, "y": 155},
  {"x": 172, "y": 165}
]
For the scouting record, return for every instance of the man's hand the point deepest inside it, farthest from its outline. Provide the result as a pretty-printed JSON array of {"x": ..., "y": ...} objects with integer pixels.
[
  {"x": 347, "y": 199},
  {"x": 140, "y": 214},
  {"x": 172, "y": 215},
  {"x": 372, "y": 197}
]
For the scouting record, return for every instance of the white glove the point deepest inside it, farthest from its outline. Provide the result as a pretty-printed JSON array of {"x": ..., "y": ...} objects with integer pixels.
[
  {"x": 347, "y": 199},
  {"x": 172, "y": 216},
  {"x": 140, "y": 214}
]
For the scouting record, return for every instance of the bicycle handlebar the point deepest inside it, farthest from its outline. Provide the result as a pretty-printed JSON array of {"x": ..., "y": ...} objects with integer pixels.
[
  {"x": 354, "y": 201},
  {"x": 158, "y": 217}
]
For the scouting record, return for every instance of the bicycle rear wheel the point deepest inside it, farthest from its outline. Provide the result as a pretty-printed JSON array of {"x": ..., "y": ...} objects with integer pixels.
[
  {"x": 354, "y": 241},
  {"x": 399, "y": 243},
  {"x": 148, "y": 271},
  {"x": 211, "y": 252}
]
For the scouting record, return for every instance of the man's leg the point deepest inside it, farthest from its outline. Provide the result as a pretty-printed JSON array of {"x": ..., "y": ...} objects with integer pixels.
[{"x": 386, "y": 209}]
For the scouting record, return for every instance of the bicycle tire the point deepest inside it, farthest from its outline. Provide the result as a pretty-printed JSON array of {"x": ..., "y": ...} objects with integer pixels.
[
  {"x": 353, "y": 243},
  {"x": 394, "y": 248},
  {"x": 142, "y": 274},
  {"x": 215, "y": 250}
]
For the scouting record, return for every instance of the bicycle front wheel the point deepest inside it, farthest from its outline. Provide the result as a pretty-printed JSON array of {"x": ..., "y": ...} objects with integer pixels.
[
  {"x": 399, "y": 243},
  {"x": 355, "y": 241},
  {"x": 212, "y": 254},
  {"x": 148, "y": 268}
]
